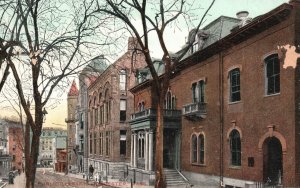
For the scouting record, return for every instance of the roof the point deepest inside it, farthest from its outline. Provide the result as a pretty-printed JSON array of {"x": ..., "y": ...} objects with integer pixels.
[
  {"x": 73, "y": 90},
  {"x": 97, "y": 64},
  {"x": 257, "y": 25}
]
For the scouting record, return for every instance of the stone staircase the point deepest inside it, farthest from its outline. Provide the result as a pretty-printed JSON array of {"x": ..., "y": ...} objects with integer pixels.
[{"x": 174, "y": 178}]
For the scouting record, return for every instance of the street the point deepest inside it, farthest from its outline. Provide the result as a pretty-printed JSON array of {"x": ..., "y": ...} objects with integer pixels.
[{"x": 45, "y": 178}]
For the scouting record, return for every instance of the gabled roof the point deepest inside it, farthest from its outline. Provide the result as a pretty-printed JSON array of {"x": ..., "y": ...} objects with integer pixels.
[{"x": 73, "y": 90}]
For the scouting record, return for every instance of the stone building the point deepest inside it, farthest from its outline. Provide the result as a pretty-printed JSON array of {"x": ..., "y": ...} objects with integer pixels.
[
  {"x": 71, "y": 128},
  {"x": 239, "y": 102},
  {"x": 109, "y": 106},
  {"x": 87, "y": 76},
  {"x": 5, "y": 159},
  {"x": 46, "y": 149}
]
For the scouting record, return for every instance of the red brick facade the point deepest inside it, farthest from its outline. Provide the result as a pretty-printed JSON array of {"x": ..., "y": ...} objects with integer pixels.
[
  {"x": 61, "y": 160},
  {"x": 15, "y": 141},
  {"x": 257, "y": 116},
  {"x": 108, "y": 130}
]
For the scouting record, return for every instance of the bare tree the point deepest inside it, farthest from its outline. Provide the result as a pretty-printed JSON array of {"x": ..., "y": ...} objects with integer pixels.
[
  {"x": 43, "y": 42},
  {"x": 155, "y": 16}
]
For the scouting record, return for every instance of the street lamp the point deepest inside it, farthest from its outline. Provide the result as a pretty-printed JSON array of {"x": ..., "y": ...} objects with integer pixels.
[{"x": 44, "y": 115}]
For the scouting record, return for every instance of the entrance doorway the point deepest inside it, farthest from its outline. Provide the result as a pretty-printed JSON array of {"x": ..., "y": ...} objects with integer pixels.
[
  {"x": 272, "y": 164},
  {"x": 169, "y": 151}
]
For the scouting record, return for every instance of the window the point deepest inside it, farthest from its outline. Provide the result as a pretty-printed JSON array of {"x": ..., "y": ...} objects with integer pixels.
[
  {"x": 141, "y": 106},
  {"x": 201, "y": 149},
  {"x": 81, "y": 142},
  {"x": 272, "y": 67},
  {"x": 235, "y": 148},
  {"x": 194, "y": 149},
  {"x": 235, "y": 85},
  {"x": 141, "y": 144},
  {"x": 201, "y": 91},
  {"x": 194, "y": 92},
  {"x": 122, "y": 110},
  {"x": 170, "y": 101},
  {"x": 100, "y": 144},
  {"x": 123, "y": 142},
  {"x": 107, "y": 143},
  {"x": 81, "y": 121},
  {"x": 96, "y": 116},
  {"x": 95, "y": 143},
  {"x": 198, "y": 92},
  {"x": 91, "y": 118},
  {"x": 123, "y": 80},
  {"x": 197, "y": 149},
  {"x": 91, "y": 144},
  {"x": 106, "y": 107}
]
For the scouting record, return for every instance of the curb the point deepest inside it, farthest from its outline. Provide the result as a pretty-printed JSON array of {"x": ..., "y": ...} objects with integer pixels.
[{"x": 3, "y": 185}]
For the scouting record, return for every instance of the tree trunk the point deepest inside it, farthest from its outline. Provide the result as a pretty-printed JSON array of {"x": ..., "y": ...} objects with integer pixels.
[
  {"x": 32, "y": 155},
  {"x": 159, "y": 180}
]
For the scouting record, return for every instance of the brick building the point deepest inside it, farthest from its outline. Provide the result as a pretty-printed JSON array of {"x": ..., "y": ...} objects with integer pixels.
[
  {"x": 61, "y": 160},
  {"x": 15, "y": 146},
  {"x": 110, "y": 106},
  {"x": 59, "y": 144},
  {"x": 239, "y": 99}
]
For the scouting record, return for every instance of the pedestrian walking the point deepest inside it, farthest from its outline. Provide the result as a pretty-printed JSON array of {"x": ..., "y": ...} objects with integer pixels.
[{"x": 91, "y": 171}]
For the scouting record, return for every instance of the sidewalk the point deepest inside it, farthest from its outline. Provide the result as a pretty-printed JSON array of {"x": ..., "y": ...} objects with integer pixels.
[
  {"x": 19, "y": 181},
  {"x": 110, "y": 182}
]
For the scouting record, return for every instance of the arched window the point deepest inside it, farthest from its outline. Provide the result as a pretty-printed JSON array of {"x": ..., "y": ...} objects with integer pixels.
[
  {"x": 201, "y": 148},
  {"x": 91, "y": 144},
  {"x": 95, "y": 143},
  {"x": 235, "y": 94},
  {"x": 194, "y": 148},
  {"x": 122, "y": 79},
  {"x": 169, "y": 101},
  {"x": 272, "y": 74},
  {"x": 141, "y": 144},
  {"x": 235, "y": 148},
  {"x": 107, "y": 106}
]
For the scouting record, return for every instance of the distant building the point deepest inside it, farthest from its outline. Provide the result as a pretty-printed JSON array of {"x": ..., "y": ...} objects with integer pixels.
[
  {"x": 45, "y": 157},
  {"x": 15, "y": 140},
  {"x": 11, "y": 146},
  {"x": 5, "y": 158},
  {"x": 60, "y": 153},
  {"x": 72, "y": 147}
]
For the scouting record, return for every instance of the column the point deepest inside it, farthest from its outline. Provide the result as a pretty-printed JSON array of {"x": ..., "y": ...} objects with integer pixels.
[
  {"x": 131, "y": 149},
  {"x": 150, "y": 150},
  {"x": 134, "y": 150},
  {"x": 147, "y": 150}
]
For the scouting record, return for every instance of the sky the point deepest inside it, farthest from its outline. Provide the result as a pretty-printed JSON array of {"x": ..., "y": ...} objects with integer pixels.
[{"x": 175, "y": 39}]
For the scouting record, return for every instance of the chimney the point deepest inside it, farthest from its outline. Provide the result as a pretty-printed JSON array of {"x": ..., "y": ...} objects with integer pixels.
[
  {"x": 243, "y": 16},
  {"x": 294, "y": 2},
  {"x": 132, "y": 43}
]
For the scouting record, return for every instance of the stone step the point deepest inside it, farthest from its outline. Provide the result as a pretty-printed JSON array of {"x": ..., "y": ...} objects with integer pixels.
[{"x": 173, "y": 177}]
